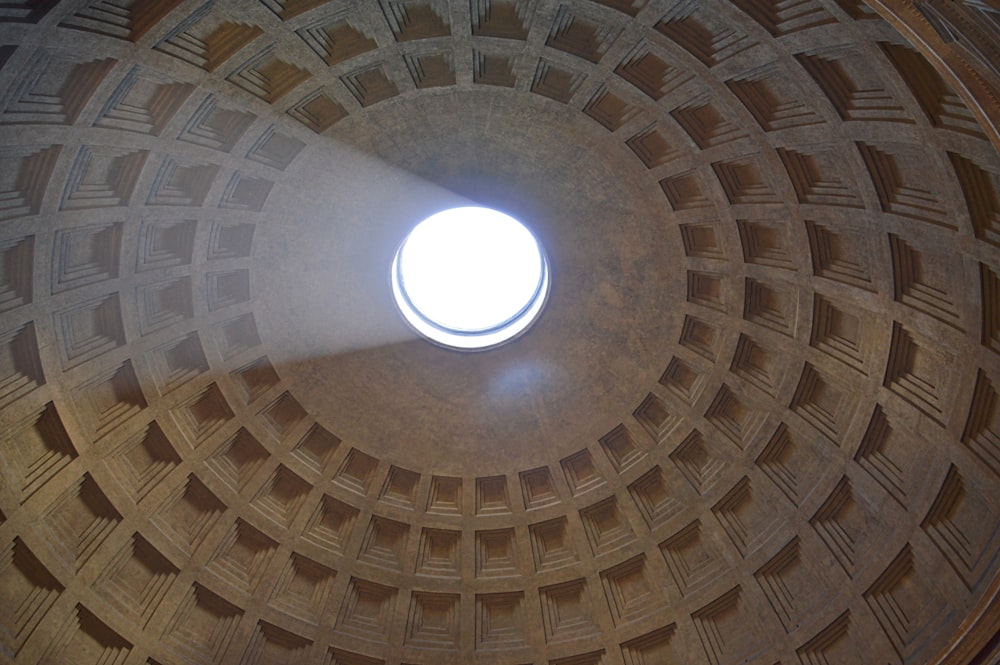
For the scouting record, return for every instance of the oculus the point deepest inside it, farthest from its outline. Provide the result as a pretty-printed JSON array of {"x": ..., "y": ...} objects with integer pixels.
[{"x": 470, "y": 278}]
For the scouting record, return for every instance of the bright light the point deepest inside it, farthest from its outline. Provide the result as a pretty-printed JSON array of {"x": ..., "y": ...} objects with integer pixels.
[{"x": 470, "y": 278}]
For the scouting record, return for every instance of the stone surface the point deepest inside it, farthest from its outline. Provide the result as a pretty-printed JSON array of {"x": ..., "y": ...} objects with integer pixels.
[{"x": 757, "y": 421}]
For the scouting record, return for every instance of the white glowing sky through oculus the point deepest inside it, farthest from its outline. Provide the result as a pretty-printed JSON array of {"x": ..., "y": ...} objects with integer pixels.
[{"x": 470, "y": 271}]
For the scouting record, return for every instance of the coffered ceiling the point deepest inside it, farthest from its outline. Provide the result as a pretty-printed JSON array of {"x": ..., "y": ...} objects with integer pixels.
[{"x": 757, "y": 421}]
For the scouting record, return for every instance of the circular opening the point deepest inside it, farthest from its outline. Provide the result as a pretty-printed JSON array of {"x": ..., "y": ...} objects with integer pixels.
[{"x": 470, "y": 278}]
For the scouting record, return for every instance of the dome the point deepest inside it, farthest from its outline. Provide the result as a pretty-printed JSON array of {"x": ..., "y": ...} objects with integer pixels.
[{"x": 756, "y": 421}]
